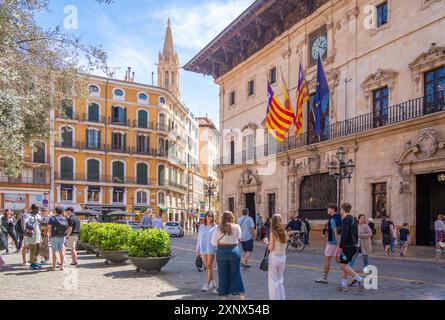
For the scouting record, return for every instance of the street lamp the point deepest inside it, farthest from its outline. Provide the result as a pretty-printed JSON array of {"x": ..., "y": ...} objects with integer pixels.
[
  {"x": 209, "y": 190},
  {"x": 341, "y": 170}
]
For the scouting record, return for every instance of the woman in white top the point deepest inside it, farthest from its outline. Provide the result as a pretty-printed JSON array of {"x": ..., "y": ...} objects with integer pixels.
[
  {"x": 228, "y": 256},
  {"x": 439, "y": 227},
  {"x": 277, "y": 258},
  {"x": 206, "y": 250}
]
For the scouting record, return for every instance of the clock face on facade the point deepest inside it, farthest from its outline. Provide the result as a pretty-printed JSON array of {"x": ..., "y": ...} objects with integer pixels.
[{"x": 319, "y": 46}]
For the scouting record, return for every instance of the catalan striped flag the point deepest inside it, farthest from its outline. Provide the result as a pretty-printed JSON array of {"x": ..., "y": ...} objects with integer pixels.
[
  {"x": 278, "y": 118},
  {"x": 302, "y": 99}
]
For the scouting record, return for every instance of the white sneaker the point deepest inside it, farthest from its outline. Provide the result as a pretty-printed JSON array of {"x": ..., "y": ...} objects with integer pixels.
[
  {"x": 205, "y": 287},
  {"x": 212, "y": 285}
]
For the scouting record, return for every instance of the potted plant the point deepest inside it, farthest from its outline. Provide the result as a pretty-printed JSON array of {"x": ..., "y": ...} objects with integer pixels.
[
  {"x": 89, "y": 236},
  {"x": 149, "y": 249},
  {"x": 112, "y": 242}
]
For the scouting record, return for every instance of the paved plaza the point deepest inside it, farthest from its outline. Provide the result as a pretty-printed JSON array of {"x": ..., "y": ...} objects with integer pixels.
[{"x": 92, "y": 279}]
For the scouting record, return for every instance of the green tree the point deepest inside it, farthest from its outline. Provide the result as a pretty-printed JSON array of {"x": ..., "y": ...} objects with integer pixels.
[{"x": 38, "y": 69}]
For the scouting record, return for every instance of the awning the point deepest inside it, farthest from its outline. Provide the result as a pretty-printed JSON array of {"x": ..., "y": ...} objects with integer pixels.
[
  {"x": 120, "y": 190},
  {"x": 94, "y": 189},
  {"x": 67, "y": 187}
]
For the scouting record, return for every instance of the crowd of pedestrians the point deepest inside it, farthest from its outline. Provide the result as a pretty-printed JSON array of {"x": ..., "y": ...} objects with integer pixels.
[{"x": 38, "y": 233}]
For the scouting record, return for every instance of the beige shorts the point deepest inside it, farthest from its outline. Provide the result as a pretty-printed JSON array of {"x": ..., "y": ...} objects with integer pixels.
[
  {"x": 71, "y": 243},
  {"x": 26, "y": 241}
]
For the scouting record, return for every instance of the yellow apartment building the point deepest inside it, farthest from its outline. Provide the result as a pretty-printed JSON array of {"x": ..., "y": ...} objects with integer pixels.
[{"x": 127, "y": 146}]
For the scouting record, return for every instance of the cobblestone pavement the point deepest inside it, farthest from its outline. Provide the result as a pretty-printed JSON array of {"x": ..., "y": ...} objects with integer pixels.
[{"x": 92, "y": 279}]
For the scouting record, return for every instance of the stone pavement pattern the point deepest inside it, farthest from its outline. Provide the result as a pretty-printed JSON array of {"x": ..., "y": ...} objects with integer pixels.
[{"x": 398, "y": 279}]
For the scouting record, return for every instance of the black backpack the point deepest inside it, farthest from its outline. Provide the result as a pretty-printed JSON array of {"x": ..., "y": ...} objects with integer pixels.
[{"x": 60, "y": 226}]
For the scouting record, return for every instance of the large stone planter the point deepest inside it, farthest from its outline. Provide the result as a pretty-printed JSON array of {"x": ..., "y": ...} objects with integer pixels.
[
  {"x": 114, "y": 256},
  {"x": 92, "y": 249},
  {"x": 150, "y": 264},
  {"x": 81, "y": 246}
]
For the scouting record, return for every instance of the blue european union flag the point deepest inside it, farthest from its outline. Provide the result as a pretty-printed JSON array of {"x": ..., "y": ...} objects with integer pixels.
[{"x": 321, "y": 98}]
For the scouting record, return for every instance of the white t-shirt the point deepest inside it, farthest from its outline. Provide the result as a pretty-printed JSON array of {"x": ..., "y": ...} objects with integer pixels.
[
  {"x": 157, "y": 223},
  {"x": 219, "y": 237}
]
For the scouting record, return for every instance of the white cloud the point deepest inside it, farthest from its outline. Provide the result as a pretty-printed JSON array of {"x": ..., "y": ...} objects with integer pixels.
[
  {"x": 124, "y": 48},
  {"x": 195, "y": 26}
]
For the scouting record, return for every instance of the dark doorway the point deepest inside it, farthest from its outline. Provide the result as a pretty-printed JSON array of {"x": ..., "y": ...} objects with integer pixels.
[
  {"x": 316, "y": 193},
  {"x": 250, "y": 204},
  {"x": 430, "y": 203}
]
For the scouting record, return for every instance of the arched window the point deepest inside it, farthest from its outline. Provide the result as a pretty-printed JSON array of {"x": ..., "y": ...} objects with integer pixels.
[
  {"x": 39, "y": 152},
  {"x": 162, "y": 175},
  {"x": 142, "y": 173},
  {"x": 141, "y": 197},
  {"x": 67, "y": 137},
  {"x": 161, "y": 147},
  {"x": 118, "y": 172},
  {"x": 161, "y": 199},
  {"x": 142, "y": 119},
  {"x": 162, "y": 101},
  {"x": 142, "y": 98},
  {"x": 161, "y": 122},
  {"x": 119, "y": 115},
  {"x": 68, "y": 108},
  {"x": 93, "y": 112},
  {"x": 66, "y": 168},
  {"x": 93, "y": 170}
]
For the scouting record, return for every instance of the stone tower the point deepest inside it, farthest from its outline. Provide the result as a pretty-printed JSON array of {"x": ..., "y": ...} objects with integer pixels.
[{"x": 168, "y": 65}]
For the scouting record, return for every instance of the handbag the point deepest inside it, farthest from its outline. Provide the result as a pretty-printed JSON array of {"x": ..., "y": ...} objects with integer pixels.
[
  {"x": 264, "y": 266},
  {"x": 199, "y": 264}
]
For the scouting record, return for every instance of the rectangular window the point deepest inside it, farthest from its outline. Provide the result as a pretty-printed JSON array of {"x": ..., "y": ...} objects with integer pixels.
[
  {"x": 434, "y": 86},
  {"x": 93, "y": 139},
  {"x": 380, "y": 106},
  {"x": 382, "y": 14},
  {"x": 142, "y": 144},
  {"x": 273, "y": 75},
  {"x": 118, "y": 141},
  {"x": 251, "y": 87},
  {"x": 249, "y": 147},
  {"x": 271, "y": 204},
  {"x": 66, "y": 194},
  {"x": 93, "y": 195},
  {"x": 379, "y": 200},
  {"x": 232, "y": 152},
  {"x": 39, "y": 176},
  {"x": 118, "y": 195},
  {"x": 232, "y": 204},
  {"x": 232, "y": 98}
]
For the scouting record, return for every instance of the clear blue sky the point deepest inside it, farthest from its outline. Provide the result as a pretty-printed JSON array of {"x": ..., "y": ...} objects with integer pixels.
[{"x": 132, "y": 32}]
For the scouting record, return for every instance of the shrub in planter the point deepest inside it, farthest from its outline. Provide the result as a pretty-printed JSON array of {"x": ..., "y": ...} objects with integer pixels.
[
  {"x": 149, "y": 243},
  {"x": 113, "y": 237}
]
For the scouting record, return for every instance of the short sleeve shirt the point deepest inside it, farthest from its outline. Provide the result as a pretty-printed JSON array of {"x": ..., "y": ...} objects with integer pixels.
[
  {"x": 404, "y": 234},
  {"x": 246, "y": 223},
  {"x": 333, "y": 227},
  {"x": 74, "y": 222}
]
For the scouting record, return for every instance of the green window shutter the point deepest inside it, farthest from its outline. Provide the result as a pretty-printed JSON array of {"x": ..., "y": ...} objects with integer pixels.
[
  {"x": 118, "y": 172},
  {"x": 99, "y": 138},
  {"x": 142, "y": 173},
  {"x": 67, "y": 168},
  {"x": 142, "y": 119},
  {"x": 93, "y": 170}
]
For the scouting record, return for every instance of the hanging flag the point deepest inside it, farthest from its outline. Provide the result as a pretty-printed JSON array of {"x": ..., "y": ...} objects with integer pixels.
[
  {"x": 321, "y": 98},
  {"x": 286, "y": 97},
  {"x": 278, "y": 118},
  {"x": 302, "y": 99}
]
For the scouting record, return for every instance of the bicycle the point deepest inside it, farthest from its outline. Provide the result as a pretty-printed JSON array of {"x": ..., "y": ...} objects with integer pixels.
[{"x": 296, "y": 240}]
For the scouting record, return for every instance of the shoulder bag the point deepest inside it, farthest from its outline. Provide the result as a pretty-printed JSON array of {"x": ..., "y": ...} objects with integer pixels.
[{"x": 264, "y": 266}]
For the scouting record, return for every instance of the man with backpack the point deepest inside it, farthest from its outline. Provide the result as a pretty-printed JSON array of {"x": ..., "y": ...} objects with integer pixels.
[
  {"x": 332, "y": 246},
  {"x": 57, "y": 230},
  {"x": 348, "y": 247},
  {"x": 386, "y": 234},
  {"x": 32, "y": 235}
]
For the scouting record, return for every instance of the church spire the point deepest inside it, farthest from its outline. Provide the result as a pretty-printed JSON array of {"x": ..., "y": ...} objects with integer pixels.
[
  {"x": 168, "y": 65},
  {"x": 169, "y": 50}
]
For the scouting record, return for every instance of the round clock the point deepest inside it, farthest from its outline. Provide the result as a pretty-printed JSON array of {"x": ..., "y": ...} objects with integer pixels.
[{"x": 319, "y": 46}]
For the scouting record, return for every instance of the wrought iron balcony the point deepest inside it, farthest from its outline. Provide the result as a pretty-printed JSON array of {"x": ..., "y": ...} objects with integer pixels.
[
  {"x": 24, "y": 180},
  {"x": 119, "y": 122},
  {"x": 405, "y": 111},
  {"x": 67, "y": 145},
  {"x": 118, "y": 148},
  {"x": 93, "y": 118}
]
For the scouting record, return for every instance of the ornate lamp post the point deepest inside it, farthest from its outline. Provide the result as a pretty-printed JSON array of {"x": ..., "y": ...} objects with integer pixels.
[
  {"x": 341, "y": 170},
  {"x": 209, "y": 190}
]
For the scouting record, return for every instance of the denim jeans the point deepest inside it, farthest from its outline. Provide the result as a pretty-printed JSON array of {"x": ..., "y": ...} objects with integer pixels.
[
  {"x": 228, "y": 259},
  {"x": 354, "y": 259}
]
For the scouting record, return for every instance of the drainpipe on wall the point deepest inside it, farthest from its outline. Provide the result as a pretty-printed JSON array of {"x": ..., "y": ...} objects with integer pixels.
[{"x": 52, "y": 197}]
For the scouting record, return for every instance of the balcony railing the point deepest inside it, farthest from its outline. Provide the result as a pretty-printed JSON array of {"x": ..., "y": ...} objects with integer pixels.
[
  {"x": 118, "y": 149},
  {"x": 144, "y": 125},
  {"x": 72, "y": 145},
  {"x": 93, "y": 118},
  {"x": 73, "y": 116},
  {"x": 119, "y": 122},
  {"x": 405, "y": 111},
  {"x": 23, "y": 180},
  {"x": 144, "y": 151}
]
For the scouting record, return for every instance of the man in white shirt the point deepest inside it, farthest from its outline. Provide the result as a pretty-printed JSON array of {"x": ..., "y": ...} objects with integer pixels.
[
  {"x": 157, "y": 223},
  {"x": 247, "y": 236}
]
